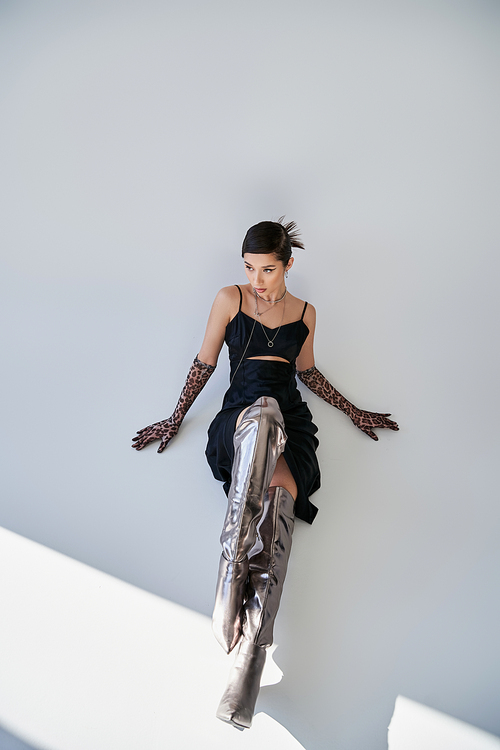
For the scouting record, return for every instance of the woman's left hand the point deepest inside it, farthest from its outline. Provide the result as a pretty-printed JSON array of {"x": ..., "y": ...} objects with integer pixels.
[{"x": 367, "y": 420}]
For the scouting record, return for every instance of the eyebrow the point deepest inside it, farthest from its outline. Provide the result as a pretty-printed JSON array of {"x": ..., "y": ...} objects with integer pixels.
[{"x": 270, "y": 266}]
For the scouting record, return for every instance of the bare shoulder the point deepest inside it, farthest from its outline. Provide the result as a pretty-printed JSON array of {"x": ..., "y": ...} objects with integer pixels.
[
  {"x": 310, "y": 312},
  {"x": 228, "y": 292},
  {"x": 310, "y": 316},
  {"x": 296, "y": 304},
  {"x": 227, "y": 296},
  {"x": 305, "y": 360},
  {"x": 226, "y": 303}
]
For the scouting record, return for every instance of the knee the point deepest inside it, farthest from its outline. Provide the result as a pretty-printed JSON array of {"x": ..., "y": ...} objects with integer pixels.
[
  {"x": 267, "y": 414},
  {"x": 262, "y": 418},
  {"x": 270, "y": 411}
]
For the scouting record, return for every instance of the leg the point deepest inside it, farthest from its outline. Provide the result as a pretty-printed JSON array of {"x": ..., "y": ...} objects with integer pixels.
[
  {"x": 259, "y": 440},
  {"x": 283, "y": 477},
  {"x": 268, "y": 562},
  {"x": 267, "y": 568}
]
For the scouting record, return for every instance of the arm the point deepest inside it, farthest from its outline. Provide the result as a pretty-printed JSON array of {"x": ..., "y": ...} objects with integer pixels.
[
  {"x": 198, "y": 375},
  {"x": 318, "y": 384},
  {"x": 165, "y": 430}
]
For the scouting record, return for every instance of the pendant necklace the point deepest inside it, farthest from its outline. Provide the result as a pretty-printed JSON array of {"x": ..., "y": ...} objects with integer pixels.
[{"x": 270, "y": 342}]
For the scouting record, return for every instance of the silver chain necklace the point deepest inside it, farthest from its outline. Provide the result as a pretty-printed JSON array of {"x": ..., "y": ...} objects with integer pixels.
[
  {"x": 271, "y": 301},
  {"x": 270, "y": 342}
]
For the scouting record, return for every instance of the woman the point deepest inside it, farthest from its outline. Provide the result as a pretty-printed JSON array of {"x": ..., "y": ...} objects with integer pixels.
[{"x": 262, "y": 445}]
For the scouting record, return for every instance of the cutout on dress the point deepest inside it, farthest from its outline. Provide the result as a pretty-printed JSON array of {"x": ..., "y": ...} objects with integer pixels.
[{"x": 271, "y": 359}]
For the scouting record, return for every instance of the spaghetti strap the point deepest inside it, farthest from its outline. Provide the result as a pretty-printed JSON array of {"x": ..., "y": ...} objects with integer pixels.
[
  {"x": 303, "y": 311},
  {"x": 241, "y": 297}
]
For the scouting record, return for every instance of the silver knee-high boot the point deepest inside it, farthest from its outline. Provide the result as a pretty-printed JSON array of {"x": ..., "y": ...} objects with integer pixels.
[
  {"x": 267, "y": 570},
  {"x": 268, "y": 566},
  {"x": 259, "y": 440}
]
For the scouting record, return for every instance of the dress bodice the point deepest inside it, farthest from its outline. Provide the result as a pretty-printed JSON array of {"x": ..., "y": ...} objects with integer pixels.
[{"x": 245, "y": 338}]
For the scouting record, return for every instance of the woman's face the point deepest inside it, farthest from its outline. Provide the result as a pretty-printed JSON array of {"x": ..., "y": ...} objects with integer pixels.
[{"x": 266, "y": 273}]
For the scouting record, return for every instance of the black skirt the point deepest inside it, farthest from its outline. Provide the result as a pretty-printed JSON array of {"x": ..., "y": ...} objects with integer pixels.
[{"x": 255, "y": 378}]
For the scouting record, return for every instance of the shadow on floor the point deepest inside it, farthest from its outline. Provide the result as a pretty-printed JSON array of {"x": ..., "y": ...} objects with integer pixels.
[{"x": 9, "y": 741}]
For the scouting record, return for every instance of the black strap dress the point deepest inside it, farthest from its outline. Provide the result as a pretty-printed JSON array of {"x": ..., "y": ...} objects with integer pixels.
[{"x": 253, "y": 378}]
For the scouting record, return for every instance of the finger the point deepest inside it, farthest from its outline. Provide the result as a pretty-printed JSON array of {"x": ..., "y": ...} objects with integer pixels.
[
  {"x": 163, "y": 445},
  {"x": 140, "y": 439},
  {"x": 391, "y": 425},
  {"x": 371, "y": 434},
  {"x": 143, "y": 441},
  {"x": 148, "y": 428}
]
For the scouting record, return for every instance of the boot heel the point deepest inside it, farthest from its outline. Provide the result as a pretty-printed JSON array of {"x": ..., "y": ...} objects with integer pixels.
[{"x": 238, "y": 702}]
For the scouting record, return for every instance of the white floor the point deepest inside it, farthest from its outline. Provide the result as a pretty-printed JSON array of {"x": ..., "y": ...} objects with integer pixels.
[
  {"x": 417, "y": 727},
  {"x": 90, "y": 662}
]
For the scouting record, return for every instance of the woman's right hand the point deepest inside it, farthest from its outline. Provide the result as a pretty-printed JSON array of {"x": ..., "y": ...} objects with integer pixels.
[{"x": 164, "y": 431}]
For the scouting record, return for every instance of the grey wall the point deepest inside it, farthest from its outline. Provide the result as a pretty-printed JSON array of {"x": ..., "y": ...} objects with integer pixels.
[{"x": 139, "y": 141}]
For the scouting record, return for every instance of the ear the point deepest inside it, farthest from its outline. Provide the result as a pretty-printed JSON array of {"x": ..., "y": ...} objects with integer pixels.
[{"x": 289, "y": 264}]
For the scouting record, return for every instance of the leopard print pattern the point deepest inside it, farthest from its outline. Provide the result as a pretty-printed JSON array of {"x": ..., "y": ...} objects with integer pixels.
[
  {"x": 365, "y": 420},
  {"x": 167, "y": 429}
]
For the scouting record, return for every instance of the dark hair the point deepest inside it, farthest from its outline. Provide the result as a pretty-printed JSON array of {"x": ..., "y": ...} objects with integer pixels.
[{"x": 272, "y": 237}]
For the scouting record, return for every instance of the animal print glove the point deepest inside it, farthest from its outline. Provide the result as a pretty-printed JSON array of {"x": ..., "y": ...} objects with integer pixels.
[
  {"x": 196, "y": 380},
  {"x": 318, "y": 384}
]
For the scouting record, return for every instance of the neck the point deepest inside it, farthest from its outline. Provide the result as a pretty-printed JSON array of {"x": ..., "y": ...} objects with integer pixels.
[{"x": 277, "y": 297}]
